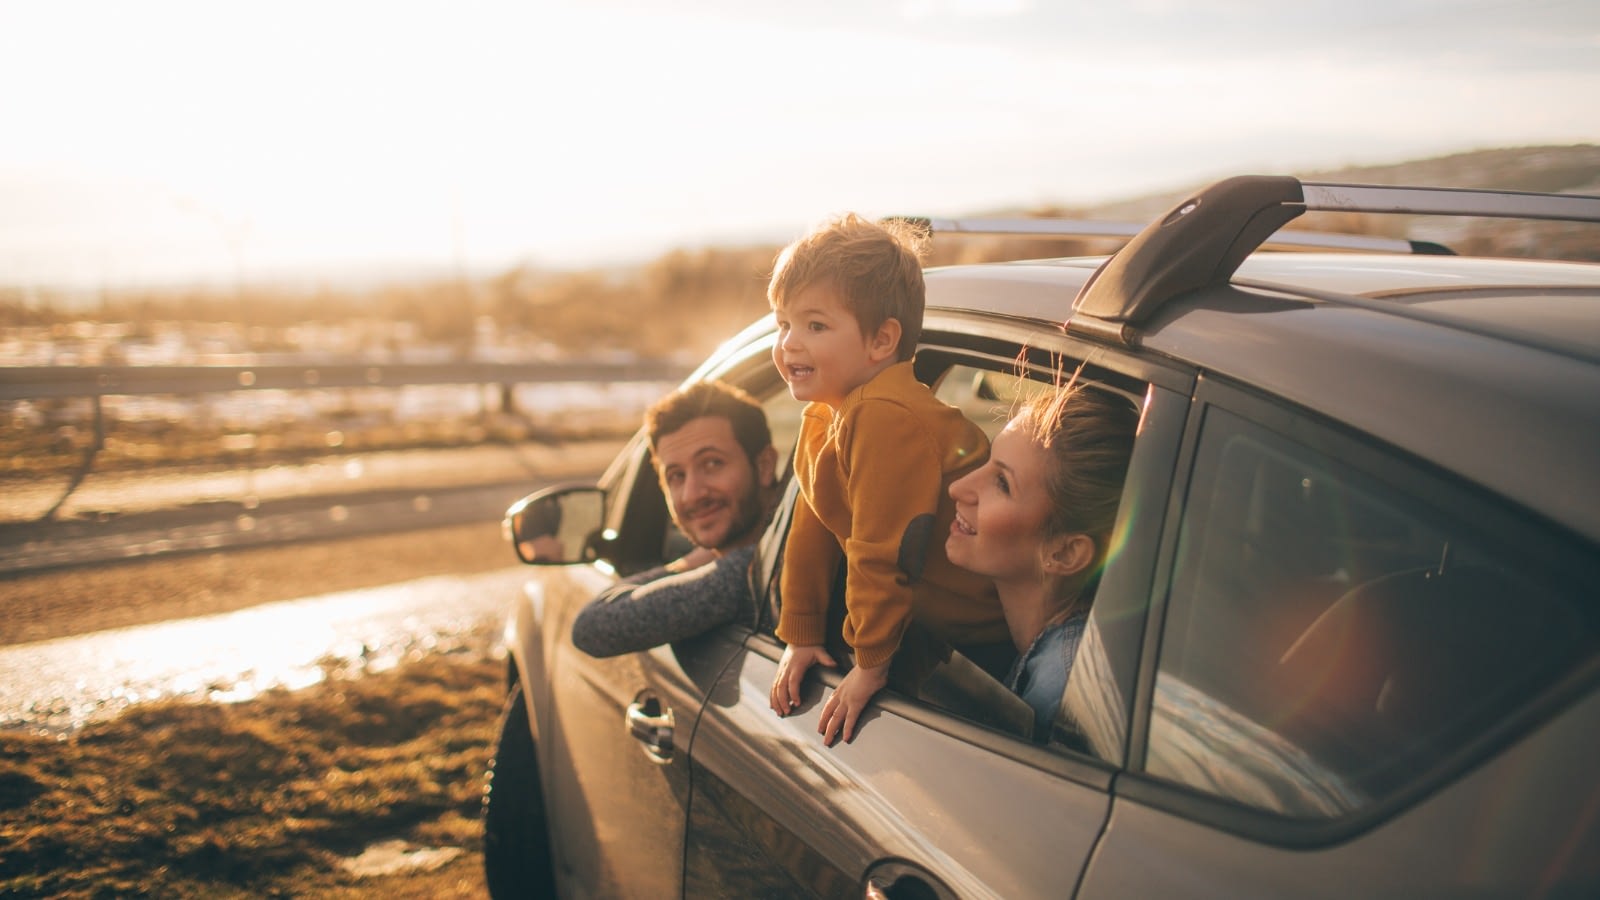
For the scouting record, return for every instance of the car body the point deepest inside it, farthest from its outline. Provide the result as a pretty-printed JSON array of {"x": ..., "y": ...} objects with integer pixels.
[{"x": 1348, "y": 643}]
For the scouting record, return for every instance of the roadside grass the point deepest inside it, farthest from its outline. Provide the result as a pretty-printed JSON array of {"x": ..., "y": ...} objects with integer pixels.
[{"x": 264, "y": 798}]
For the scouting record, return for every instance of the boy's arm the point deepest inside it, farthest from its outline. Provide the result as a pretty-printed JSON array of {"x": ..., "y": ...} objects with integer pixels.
[
  {"x": 896, "y": 477},
  {"x": 810, "y": 557}
]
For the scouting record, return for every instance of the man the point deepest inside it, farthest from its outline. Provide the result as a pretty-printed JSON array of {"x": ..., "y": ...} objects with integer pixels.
[{"x": 713, "y": 454}]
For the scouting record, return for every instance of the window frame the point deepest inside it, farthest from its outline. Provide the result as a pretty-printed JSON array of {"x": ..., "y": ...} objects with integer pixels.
[
  {"x": 636, "y": 508},
  {"x": 998, "y": 347}
]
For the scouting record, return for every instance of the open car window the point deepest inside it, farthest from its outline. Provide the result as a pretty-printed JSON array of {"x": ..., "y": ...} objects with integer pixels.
[
  {"x": 972, "y": 689},
  {"x": 985, "y": 396}
]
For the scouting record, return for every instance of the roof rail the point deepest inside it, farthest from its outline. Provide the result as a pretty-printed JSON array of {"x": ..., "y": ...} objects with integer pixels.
[
  {"x": 1203, "y": 240},
  {"x": 1093, "y": 228}
]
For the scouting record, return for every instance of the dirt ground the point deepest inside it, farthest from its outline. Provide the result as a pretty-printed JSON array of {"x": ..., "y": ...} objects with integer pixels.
[
  {"x": 80, "y": 600},
  {"x": 66, "y": 602}
]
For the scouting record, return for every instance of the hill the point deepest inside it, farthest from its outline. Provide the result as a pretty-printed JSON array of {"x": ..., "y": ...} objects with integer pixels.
[
  {"x": 689, "y": 299},
  {"x": 1573, "y": 169}
]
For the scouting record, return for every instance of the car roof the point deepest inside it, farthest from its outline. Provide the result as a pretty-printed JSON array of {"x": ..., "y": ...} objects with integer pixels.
[
  {"x": 1551, "y": 304},
  {"x": 1489, "y": 368}
]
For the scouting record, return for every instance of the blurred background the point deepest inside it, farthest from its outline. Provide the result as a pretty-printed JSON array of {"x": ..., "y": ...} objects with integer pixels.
[
  {"x": 190, "y": 183},
  {"x": 296, "y": 297}
]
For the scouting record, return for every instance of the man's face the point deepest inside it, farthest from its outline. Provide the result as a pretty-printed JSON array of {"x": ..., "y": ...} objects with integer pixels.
[{"x": 712, "y": 489}]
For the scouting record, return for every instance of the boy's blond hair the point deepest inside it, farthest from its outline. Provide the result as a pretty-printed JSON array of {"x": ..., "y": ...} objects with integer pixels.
[{"x": 876, "y": 268}]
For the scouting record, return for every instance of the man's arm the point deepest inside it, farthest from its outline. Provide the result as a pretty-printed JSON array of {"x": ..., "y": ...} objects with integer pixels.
[{"x": 632, "y": 617}]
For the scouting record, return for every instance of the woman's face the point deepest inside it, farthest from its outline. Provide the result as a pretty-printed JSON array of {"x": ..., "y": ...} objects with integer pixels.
[{"x": 1001, "y": 510}]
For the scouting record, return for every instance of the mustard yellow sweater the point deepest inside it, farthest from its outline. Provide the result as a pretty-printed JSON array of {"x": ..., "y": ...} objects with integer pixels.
[{"x": 874, "y": 481}]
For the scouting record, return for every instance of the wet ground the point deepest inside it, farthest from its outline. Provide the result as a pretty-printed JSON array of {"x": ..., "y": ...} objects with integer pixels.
[
  {"x": 55, "y": 683},
  {"x": 57, "y": 686}
]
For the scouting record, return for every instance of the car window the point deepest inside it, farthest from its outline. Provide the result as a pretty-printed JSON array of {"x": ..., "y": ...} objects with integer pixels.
[
  {"x": 783, "y": 420},
  {"x": 927, "y": 672},
  {"x": 985, "y": 396},
  {"x": 1331, "y": 638},
  {"x": 974, "y": 688}
]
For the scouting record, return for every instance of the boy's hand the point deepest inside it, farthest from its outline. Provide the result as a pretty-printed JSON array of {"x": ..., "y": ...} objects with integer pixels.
[
  {"x": 846, "y": 704},
  {"x": 791, "y": 672}
]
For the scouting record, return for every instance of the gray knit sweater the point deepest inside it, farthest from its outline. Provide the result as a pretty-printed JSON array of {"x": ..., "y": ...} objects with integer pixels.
[{"x": 655, "y": 607}]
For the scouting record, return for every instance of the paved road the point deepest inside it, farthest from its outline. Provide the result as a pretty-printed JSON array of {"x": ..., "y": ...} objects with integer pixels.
[
  {"x": 126, "y": 515},
  {"x": 226, "y": 526}
]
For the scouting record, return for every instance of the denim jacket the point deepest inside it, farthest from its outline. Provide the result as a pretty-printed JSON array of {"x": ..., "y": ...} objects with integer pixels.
[{"x": 1039, "y": 675}]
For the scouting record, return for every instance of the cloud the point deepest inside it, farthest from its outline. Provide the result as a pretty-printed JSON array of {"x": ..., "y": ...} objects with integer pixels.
[{"x": 923, "y": 10}]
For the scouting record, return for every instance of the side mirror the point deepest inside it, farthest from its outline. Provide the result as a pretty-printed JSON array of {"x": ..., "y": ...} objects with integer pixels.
[{"x": 557, "y": 525}]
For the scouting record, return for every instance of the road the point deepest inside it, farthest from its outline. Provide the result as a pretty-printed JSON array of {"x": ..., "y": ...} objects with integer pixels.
[
  {"x": 74, "y": 571},
  {"x": 114, "y": 516}
]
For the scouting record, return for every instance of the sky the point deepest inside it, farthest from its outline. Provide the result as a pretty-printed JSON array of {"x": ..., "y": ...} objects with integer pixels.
[{"x": 167, "y": 141}]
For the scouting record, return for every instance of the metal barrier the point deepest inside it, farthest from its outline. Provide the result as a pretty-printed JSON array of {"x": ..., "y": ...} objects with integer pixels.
[
  {"x": 41, "y": 382},
  {"x": 95, "y": 382}
]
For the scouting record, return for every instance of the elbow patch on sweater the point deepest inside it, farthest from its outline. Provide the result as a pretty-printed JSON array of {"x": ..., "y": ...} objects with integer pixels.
[{"x": 914, "y": 546}]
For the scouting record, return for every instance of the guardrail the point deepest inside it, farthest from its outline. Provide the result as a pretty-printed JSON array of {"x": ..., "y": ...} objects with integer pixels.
[
  {"x": 41, "y": 382},
  {"x": 96, "y": 382}
]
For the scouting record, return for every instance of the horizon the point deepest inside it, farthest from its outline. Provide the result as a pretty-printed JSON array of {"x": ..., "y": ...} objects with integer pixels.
[{"x": 181, "y": 143}]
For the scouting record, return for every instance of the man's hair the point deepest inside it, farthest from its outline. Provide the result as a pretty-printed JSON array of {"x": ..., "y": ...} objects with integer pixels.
[
  {"x": 710, "y": 398},
  {"x": 875, "y": 267}
]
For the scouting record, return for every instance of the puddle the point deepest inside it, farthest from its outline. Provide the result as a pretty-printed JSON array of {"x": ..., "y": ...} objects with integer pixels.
[
  {"x": 396, "y": 858},
  {"x": 56, "y": 687}
]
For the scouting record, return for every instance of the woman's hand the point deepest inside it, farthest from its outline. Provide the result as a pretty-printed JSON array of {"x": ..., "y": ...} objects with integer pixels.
[
  {"x": 846, "y": 704},
  {"x": 791, "y": 672}
]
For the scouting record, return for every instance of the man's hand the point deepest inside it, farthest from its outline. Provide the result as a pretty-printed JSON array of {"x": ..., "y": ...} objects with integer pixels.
[
  {"x": 846, "y": 704},
  {"x": 694, "y": 559},
  {"x": 791, "y": 672}
]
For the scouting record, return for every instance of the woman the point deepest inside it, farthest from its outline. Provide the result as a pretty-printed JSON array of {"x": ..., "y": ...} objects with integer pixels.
[{"x": 1037, "y": 518}]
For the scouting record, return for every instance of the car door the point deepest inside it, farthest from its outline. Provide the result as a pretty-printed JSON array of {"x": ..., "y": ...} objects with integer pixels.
[
  {"x": 1363, "y": 679},
  {"x": 941, "y": 794},
  {"x": 617, "y": 784},
  {"x": 618, "y": 729}
]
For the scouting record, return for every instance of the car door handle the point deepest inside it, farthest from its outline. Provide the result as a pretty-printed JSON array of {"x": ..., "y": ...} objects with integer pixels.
[
  {"x": 900, "y": 880},
  {"x": 652, "y": 726}
]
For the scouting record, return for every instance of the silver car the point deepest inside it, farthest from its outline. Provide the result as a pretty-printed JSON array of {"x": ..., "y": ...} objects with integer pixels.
[{"x": 1348, "y": 644}]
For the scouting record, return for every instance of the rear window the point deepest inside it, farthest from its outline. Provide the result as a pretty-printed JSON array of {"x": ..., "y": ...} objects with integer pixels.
[{"x": 1332, "y": 638}]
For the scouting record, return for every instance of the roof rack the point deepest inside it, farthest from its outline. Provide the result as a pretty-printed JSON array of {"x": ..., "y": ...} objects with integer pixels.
[
  {"x": 1204, "y": 239},
  {"x": 1093, "y": 228}
]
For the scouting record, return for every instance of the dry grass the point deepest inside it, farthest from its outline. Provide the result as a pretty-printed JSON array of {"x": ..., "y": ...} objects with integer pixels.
[{"x": 263, "y": 798}]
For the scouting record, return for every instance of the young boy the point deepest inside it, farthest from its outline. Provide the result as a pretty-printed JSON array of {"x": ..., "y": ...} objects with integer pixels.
[{"x": 876, "y": 455}]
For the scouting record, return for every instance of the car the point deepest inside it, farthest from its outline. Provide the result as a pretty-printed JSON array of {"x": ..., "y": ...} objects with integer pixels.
[{"x": 1347, "y": 644}]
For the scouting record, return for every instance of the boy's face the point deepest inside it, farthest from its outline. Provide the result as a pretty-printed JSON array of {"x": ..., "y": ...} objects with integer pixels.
[{"x": 821, "y": 351}]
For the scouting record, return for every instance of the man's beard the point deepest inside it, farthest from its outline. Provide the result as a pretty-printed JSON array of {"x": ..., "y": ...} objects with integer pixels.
[
  {"x": 747, "y": 510},
  {"x": 746, "y": 516}
]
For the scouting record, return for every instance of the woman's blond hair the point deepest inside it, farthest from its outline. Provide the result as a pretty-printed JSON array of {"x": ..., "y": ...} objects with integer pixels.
[{"x": 1087, "y": 433}]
